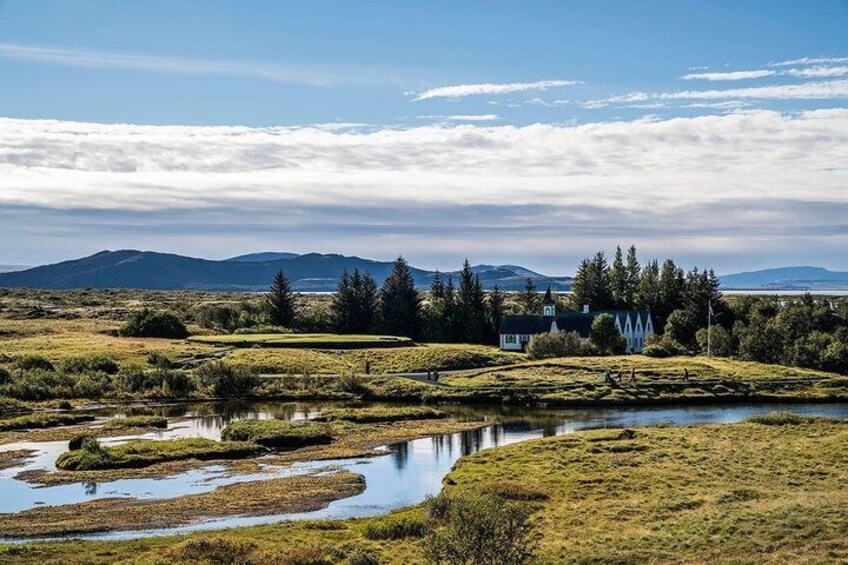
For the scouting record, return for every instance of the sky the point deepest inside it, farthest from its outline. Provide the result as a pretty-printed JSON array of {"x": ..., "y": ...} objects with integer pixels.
[{"x": 531, "y": 133}]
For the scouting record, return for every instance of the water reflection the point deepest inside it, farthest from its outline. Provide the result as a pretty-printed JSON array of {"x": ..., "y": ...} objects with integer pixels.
[{"x": 411, "y": 471}]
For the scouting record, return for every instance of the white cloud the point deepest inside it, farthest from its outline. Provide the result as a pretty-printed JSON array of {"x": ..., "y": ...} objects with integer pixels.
[
  {"x": 725, "y": 105},
  {"x": 464, "y": 118},
  {"x": 734, "y": 75},
  {"x": 819, "y": 72},
  {"x": 807, "y": 91},
  {"x": 809, "y": 61},
  {"x": 463, "y": 90},
  {"x": 680, "y": 184},
  {"x": 297, "y": 74}
]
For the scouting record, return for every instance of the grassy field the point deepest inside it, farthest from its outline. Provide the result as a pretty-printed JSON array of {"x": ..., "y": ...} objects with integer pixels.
[
  {"x": 749, "y": 493},
  {"x": 309, "y": 341},
  {"x": 278, "y": 433}
]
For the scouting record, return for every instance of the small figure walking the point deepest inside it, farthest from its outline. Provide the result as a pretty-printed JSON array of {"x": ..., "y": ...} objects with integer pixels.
[
  {"x": 429, "y": 375},
  {"x": 619, "y": 376},
  {"x": 607, "y": 377},
  {"x": 368, "y": 367},
  {"x": 435, "y": 376},
  {"x": 633, "y": 376},
  {"x": 685, "y": 375}
]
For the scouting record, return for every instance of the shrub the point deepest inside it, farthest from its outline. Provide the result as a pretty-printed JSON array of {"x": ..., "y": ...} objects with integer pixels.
[
  {"x": 303, "y": 555},
  {"x": 159, "y": 360},
  {"x": 720, "y": 341},
  {"x": 363, "y": 557},
  {"x": 656, "y": 350},
  {"x": 76, "y": 442},
  {"x": 39, "y": 384},
  {"x": 89, "y": 364},
  {"x": 560, "y": 344},
  {"x": 227, "y": 381},
  {"x": 29, "y": 362},
  {"x": 478, "y": 529},
  {"x": 396, "y": 527},
  {"x": 605, "y": 336},
  {"x": 148, "y": 323},
  {"x": 664, "y": 347},
  {"x": 277, "y": 433},
  {"x": 5, "y": 376},
  {"x": 216, "y": 551}
]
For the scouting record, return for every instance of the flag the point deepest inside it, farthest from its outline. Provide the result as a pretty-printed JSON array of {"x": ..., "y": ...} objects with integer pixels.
[{"x": 711, "y": 312}]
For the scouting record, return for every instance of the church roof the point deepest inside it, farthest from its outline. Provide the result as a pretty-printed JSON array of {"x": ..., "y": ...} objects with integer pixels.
[
  {"x": 580, "y": 322},
  {"x": 525, "y": 325},
  {"x": 549, "y": 298}
]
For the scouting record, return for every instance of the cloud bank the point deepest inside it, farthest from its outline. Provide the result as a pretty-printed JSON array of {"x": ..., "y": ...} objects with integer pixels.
[
  {"x": 733, "y": 75},
  {"x": 710, "y": 184}
]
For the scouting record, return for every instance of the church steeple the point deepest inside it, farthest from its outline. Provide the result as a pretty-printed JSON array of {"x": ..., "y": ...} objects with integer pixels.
[{"x": 549, "y": 305}]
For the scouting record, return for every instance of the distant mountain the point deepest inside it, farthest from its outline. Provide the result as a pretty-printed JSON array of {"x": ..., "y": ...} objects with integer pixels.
[
  {"x": 164, "y": 271},
  {"x": 787, "y": 278},
  {"x": 12, "y": 268},
  {"x": 263, "y": 256}
]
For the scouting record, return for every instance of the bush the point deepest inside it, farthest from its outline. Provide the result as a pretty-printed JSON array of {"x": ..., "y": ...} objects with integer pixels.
[
  {"x": 560, "y": 344},
  {"x": 147, "y": 323},
  {"x": 39, "y": 384},
  {"x": 29, "y": 362},
  {"x": 363, "y": 557},
  {"x": 227, "y": 381},
  {"x": 77, "y": 441},
  {"x": 605, "y": 336},
  {"x": 656, "y": 350},
  {"x": 5, "y": 376},
  {"x": 159, "y": 360},
  {"x": 277, "y": 433},
  {"x": 396, "y": 527},
  {"x": 89, "y": 364},
  {"x": 478, "y": 529},
  {"x": 720, "y": 342},
  {"x": 216, "y": 551},
  {"x": 663, "y": 347}
]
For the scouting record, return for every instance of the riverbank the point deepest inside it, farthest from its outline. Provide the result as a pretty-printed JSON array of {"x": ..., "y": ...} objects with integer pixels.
[{"x": 746, "y": 493}]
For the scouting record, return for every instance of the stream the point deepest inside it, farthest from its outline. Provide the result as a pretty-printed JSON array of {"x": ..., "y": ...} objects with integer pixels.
[{"x": 408, "y": 473}]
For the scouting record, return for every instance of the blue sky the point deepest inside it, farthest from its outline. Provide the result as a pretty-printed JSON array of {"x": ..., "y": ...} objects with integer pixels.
[{"x": 523, "y": 132}]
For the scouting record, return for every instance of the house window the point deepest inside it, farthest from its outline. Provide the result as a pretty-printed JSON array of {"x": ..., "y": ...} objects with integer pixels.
[{"x": 510, "y": 338}]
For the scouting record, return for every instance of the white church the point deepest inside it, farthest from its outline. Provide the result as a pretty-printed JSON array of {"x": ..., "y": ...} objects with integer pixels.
[{"x": 516, "y": 331}]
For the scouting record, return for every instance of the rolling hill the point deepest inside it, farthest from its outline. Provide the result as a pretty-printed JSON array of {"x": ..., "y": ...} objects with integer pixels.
[
  {"x": 787, "y": 278},
  {"x": 313, "y": 272}
]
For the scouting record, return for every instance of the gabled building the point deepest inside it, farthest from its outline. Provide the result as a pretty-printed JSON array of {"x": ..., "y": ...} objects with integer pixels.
[{"x": 517, "y": 331}]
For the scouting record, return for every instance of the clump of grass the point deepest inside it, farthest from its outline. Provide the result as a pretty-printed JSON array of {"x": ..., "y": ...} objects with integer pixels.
[
  {"x": 380, "y": 414},
  {"x": 512, "y": 490},
  {"x": 277, "y": 433},
  {"x": 137, "y": 454},
  {"x": 137, "y": 422},
  {"x": 782, "y": 419},
  {"x": 393, "y": 527},
  {"x": 43, "y": 420},
  {"x": 217, "y": 551},
  {"x": 77, "y": 441}
]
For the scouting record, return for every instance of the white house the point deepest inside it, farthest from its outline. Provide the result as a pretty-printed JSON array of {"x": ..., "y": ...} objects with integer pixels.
[{"x": 516, "y": 331}]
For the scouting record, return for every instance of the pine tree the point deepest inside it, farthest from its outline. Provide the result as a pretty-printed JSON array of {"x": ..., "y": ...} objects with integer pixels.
[
  {"x": 342, "y": 305},
  {"x": 672, "y": 287},
  {"x": 617, "y": 277},
  {"x": 701, "y": 292},
  {"x": 437, "y": 286},
  {"x": 634, "y": 274},
  {"x": 591, "y": 284},
  {"x": 649, "y": 297},
  {"x": 529, "y": 301},
  {"x": 496, "y": 309},
  {"x": 400, "y": 303},
  {"x": 471, "y": 306},
  {"x": 280, "y": 302},
  {"x": 369, "y": 300}
]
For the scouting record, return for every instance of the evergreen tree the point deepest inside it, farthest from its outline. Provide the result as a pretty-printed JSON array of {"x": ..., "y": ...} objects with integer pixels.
[
  {"x": 672, "y": 288},
  {"x": 634, "y": 274},
  {"x": 496, "y": 308},
  {"x": 369, "y": 301},
  {"x": 649, "y": 296},
  {"x": 471, "y": 306},
  {"x": 280, "y": 302},
  {"x": 591, "y": 284},
  {"x": 342, "y": 305},
  {"x": 617, "y": 276},
  {"x": 437, "y": 286},
  {"x": 400, "y": 303},
  {"x": 529, "y": 301},
  {"x": 701, "y": 291}
]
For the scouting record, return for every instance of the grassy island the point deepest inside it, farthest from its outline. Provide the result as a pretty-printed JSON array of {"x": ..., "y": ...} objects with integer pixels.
[{"x": 277, "y": 433}]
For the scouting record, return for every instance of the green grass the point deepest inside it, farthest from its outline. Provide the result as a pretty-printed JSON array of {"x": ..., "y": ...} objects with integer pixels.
[
  {"x": 137, "y": 422},
  {"x": 441, "y": 357},
  {"x": 380, "y": 414},
  {"x": 316, "y": 341},
  {"x": 741, "y": 494},
  {"x": 144, "y": 453},
  {"x": 277, "y": 433},
  {"x": 44, "y": 420}
]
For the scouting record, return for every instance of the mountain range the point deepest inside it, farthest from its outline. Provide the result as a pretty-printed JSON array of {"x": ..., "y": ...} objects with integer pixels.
[
  {"x": 317, "y": 272},
  {"x": 310, "y": 272}
]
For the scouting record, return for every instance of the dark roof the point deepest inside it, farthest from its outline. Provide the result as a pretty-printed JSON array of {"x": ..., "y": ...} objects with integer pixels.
[
  {"x": 549, "y": 298},
  {"x": 529, "y": 325},
  {"x": 576, "y": 322}
]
